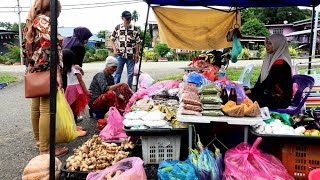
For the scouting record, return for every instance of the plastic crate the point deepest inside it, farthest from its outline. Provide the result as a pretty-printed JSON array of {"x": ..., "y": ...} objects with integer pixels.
[
  {"x": 158, "y": 148},
  {"x": 300, "y": 159}
]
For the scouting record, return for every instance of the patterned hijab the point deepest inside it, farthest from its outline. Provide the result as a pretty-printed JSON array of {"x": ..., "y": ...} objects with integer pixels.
[
  {"x": 38, "y": 7},
  {"x": 280, "y": 51},
  {"x": 80, "y": 34}
]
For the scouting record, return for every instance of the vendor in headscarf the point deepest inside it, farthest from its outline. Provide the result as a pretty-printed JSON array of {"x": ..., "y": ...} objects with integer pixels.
[
  {"x": 76, "y": 43},
  {"x": 105, "y": 93},
  {"x": 274, "y": 86}
]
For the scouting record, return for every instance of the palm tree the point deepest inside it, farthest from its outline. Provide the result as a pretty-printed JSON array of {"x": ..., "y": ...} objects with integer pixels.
[{"x": 135, "y": 16}]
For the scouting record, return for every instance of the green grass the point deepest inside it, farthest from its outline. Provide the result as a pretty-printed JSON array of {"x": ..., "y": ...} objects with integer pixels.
[
  {"x": 232, "y": 73},
  {"x": 8, "y": 78}
]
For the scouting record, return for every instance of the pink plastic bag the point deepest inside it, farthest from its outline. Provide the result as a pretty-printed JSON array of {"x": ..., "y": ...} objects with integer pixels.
[
  {"x": 246, "y": 163},
  {"x": 113, "y": 130},
  {"x": 136, "y": 68},
  {"x": 132, "y": 169}
]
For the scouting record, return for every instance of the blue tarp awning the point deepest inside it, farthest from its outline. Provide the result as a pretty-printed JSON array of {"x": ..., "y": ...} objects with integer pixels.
[{"x": 235, "y": 3}]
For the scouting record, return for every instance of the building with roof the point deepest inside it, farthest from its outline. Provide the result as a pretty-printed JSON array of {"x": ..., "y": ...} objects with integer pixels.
[
  {"x": 93, "y": 41},
  {"x": 7, "y": 37}
]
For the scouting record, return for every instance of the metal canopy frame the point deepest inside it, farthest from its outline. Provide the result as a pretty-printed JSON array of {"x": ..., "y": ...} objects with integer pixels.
[{"x": 228, "y": 3}]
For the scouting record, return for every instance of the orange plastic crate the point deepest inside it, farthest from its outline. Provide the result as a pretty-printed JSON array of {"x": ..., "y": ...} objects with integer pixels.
[{"x": 300, "y": 159}]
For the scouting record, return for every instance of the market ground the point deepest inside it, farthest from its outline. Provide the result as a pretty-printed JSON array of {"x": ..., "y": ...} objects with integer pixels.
[{"x": 16, "y": 138}]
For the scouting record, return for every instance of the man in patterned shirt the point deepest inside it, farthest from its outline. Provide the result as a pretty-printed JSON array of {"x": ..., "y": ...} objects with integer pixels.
[{"x": 125, "y": 41}]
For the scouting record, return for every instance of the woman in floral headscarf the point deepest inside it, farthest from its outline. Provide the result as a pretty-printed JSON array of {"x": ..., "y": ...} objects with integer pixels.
[
  {"x": 36, "y": 51},
  {"x": 274, "y": 86}
]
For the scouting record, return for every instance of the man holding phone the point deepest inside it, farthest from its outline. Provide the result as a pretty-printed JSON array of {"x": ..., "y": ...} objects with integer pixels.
[{"x": 125, "y": 41}]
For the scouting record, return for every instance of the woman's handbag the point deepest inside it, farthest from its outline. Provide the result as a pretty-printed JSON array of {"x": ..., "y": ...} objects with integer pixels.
[{"x": 37, "y": 84}]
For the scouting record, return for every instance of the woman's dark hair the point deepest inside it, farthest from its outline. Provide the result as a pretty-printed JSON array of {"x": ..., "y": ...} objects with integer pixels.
[{"x": 69, "y": 59}]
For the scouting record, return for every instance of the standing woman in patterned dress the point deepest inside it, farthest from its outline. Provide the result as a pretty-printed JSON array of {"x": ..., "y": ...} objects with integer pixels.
[{"x": 36, "y": 51}]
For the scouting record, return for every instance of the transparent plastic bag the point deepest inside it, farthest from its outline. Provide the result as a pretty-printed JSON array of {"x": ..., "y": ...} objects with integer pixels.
[
  {"x": 66, "y": 129},
  {"x": 145, "y": 81},
  {"x": 131, "y": 168},
  {"x": 113, "y": 130},
  {"x": 246, "y": 163}
]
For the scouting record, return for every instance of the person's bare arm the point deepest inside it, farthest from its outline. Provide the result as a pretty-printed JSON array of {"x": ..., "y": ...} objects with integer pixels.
[
  {"x": 79, "y": 77},
  {"x": 116, "y": 86},
  {"x": 136, "y": 56},
  {"x": 113, "y": 44},
  {"x": 77, "y": 67}
]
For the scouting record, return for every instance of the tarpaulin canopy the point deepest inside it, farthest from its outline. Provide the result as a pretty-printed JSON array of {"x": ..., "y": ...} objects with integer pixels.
[
  {"x": 195, "y": 29},
  {"x": 236, "y": 3}
]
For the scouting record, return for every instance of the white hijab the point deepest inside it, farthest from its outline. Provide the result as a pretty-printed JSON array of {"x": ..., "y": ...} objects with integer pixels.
[{"x": 280, "y": 51}]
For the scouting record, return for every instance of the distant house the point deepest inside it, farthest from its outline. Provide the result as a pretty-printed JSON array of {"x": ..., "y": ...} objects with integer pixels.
[
  {"x": 7, "y": 37},
  {"x": 93, "y": 41},
  {"x": 298, "y": 31}
]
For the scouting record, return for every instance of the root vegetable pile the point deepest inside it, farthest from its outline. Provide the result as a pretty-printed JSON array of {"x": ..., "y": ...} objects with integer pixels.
[{"x": 95, "y": 154}]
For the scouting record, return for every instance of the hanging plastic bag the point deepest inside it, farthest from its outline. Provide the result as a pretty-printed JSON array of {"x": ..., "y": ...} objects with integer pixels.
[
  {"x": 145, "y": 81},
  {"x": 113, "y": 130},
  {"x": 197, "y": 78},
  {"x": 176, "y": 170},
  {"x": 66, "y": 129},
  {"x": 245, "y": 163},
  {"x": 236, "y": 48},
  {"x": 126, "y": 169}
]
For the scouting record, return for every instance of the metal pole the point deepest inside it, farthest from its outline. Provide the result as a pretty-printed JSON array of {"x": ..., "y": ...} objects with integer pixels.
[
  {"x": 143, "y": 43},
  {"x": 53, "y": 83},
  {"x": 315, "y": 33},
  {"x": 20, "y": 33},
  {"x": 311, "y": 38}
]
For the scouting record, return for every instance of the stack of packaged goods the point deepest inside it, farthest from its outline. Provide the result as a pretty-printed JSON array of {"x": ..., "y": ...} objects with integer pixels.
[
  {"x": 189, "y": 99},
  {"x": 210, "y": 99}
]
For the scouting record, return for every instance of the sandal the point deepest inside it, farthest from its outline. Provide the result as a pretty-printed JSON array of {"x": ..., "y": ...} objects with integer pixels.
[
  {"x": 58, "y": 151},
  {"x": 37, "y": 144}
]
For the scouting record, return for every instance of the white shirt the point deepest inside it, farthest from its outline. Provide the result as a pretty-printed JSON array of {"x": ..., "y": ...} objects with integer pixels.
[{"x": 72, "y": 78}]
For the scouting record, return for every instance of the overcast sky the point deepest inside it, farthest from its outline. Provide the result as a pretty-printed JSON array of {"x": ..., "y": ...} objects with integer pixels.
[
  {"x": 105, "y": 17},
  {"x": 96, "y": 19}
]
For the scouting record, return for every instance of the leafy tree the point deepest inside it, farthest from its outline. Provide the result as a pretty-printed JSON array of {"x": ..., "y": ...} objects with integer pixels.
[
  {"x": 15, "y": 26},
  {"x": 6, "y": 25},
  {"x": 135, "y": 16},
  {"x": 102, "y": 34},
  {"x": 148, "y": 40},
  {"x": 275, "y": 15},
  {"x": 254, "y": 27},
  {"x": 161, "y": 49}
]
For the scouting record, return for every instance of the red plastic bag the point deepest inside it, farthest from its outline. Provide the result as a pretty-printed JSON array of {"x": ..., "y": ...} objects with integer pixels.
[
  {"x": 246, "y": 163},
  {"x": 113, "y": 130},
  {"x": 131, "y": 168}
]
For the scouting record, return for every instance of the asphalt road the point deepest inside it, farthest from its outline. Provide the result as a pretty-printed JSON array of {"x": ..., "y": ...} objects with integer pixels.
[{"x": 16, "y": 138}]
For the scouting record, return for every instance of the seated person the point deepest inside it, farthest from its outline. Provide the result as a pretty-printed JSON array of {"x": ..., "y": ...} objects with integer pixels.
[
  {"x": 105, "y": 93},
  {"x": 274, "y": 86}
]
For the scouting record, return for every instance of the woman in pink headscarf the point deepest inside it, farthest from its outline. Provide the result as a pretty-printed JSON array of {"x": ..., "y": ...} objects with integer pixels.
[{"x": 274, "y": 86}]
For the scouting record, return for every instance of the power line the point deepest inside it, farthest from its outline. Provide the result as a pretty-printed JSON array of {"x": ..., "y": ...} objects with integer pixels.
[
  {"x": 87, "y": 7},
  {"x": 66, "y": 5}
]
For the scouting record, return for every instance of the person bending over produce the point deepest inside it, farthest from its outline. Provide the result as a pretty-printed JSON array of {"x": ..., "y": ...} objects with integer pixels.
[
  {"x": 105, "y": 93},
  {"x": 274, "y": 86}
]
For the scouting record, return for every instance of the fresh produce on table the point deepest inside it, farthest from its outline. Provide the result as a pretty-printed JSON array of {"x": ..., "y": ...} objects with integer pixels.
[
  {"x": 232, "y": 109},
  {"x": 211, "y": 88},
  {"x": 246, "y": 108},
  {"x": 312, "y": 132},
  {"x": 277, "y": 127},
  {"x": 95, "y": 154},
  {"x": 310, "y": 120}
]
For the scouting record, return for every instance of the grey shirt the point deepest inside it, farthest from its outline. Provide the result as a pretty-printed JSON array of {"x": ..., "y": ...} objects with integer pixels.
[{"x": 99, "y": 85}]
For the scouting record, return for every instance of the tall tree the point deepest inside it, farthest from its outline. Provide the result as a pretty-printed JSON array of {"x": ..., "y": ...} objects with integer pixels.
[
  {"x": 135, "y": 16},
  {"x": 6, "y": 25},
  {"x": 254, "y": 27},
  {"x": 102, "y": 34},
  {"x": 148, "y": 39},
  {"x": 275, "y": 15},
  {"x": 15, "y": 26}
]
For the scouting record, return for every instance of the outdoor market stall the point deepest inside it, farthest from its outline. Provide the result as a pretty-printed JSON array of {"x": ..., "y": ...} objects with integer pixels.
[{"x": 228, "y": 3}]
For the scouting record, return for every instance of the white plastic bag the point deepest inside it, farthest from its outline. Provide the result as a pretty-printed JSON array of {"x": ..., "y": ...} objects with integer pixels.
[
  {"x": 153, "y": 116},
  {"x": 134, "y": 115}
]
